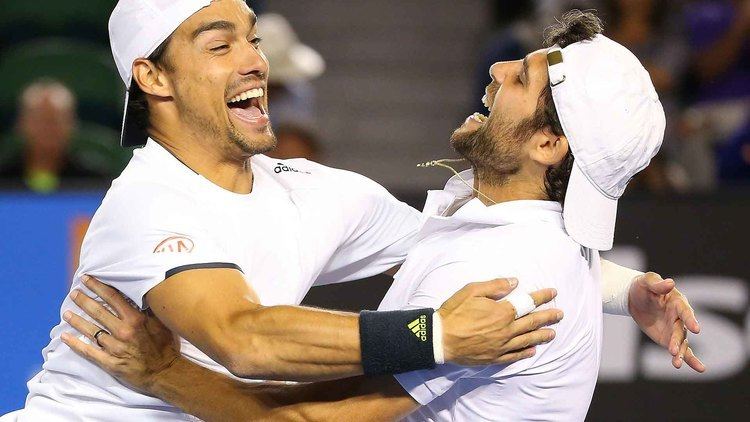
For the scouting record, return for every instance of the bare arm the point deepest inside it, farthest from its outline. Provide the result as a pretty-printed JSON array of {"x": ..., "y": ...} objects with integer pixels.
[
  {"x": 214, "y": 397},
  {"x": 218, "y": 312},
  {"x": 143, "y": 353}
]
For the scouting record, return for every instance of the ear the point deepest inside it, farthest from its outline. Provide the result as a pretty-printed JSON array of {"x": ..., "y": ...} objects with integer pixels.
[
  {"x": 548, "y": 149},
  {"x": 151, "y": 79}
]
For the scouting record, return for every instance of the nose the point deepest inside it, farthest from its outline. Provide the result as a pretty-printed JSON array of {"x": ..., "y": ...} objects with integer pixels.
[
  {"x": 253, "y": 62},
  {"x": 500, "y": 70}
]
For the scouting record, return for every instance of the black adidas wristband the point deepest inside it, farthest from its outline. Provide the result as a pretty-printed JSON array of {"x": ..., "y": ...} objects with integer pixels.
[{"x": 396, "y": 341}]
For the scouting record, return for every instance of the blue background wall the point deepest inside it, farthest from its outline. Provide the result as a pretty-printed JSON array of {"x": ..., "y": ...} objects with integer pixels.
[{"x": 35, "y": 261}]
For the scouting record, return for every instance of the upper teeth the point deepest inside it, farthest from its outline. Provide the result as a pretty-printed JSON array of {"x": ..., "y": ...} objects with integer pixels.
[{"x": 251, "y": 93}]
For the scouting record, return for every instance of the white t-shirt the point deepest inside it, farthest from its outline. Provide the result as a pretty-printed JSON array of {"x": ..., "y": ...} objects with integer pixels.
[
  {"x": 303, "y": 224},
  {"x": 525, "y": 239}
]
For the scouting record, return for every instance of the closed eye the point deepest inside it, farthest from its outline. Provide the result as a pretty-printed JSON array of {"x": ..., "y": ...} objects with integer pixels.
[{"x": 220, "y": 48}]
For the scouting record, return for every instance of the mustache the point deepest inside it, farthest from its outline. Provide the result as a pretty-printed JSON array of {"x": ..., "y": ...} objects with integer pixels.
[{"x": 244, "y": 81}]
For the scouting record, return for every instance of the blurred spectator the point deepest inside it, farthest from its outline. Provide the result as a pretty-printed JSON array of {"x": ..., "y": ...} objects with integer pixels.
[
  {"x": 295, "y": 141},
  {"x": 46, "y": 122},
  {"x": 51, "y": 148},
  {"x": 649, "y": 29},
  {"x": 292, "y": 66},
  {"x": 718, "y": 86}
]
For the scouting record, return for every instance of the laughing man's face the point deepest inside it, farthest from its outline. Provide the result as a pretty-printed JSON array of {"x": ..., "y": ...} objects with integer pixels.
[
  {"x": 493, "y": 144},
  {"x": 220, "y": 77}
]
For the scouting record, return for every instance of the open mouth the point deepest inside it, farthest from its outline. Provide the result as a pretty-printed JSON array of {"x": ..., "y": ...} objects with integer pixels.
[{"x": 248, "y": 107}]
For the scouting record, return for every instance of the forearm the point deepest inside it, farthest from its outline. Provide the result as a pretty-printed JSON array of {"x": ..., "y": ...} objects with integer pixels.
[
  {"x": 214, "y": 397},
  {"x": 616, "y": 282},
  {"x": 295, "y": 343}
]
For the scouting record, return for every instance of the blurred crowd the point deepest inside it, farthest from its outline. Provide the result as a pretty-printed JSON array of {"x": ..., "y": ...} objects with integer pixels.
[
  {"x": 698, "y": 55},
  {"x": 61, "y": 98}
]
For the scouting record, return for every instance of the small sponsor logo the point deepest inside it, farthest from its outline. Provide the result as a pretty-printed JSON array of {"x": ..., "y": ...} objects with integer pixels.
[
  {"x": 280, "y": 167},
  {"x": 419, "y": 327},
  {"x": 175, "y": 244}
]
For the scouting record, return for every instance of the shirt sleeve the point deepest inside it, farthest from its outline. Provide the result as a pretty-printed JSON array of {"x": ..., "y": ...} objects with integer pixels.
[
  {"x": 434, "y": 289},
  {"x": 143, "y": 234},
  {"x": 378, "y": 230}
]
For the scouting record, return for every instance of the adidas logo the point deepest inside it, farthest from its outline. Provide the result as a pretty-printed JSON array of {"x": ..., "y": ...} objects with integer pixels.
[
  {"x": 419, "y": 327},
  {"x": 283, "y": 167}
]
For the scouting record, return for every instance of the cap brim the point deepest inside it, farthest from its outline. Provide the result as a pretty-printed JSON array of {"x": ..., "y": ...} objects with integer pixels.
[
  {"x": 589, "y": 215},
  {"x": 131, "y": 134}
]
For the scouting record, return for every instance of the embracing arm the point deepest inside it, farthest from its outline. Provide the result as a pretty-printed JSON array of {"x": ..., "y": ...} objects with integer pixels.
[
  {"x": 214, "y": 397},
  {"x": 217, "y": 311},
  {"x": 143, "y": 353}
]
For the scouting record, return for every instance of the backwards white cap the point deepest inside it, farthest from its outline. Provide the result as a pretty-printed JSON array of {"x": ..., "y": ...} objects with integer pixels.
[
  {"x": 136, "y": 29},
  {"x": 614, "y": 122}
]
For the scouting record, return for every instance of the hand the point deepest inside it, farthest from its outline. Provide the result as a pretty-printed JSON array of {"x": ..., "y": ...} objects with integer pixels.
[
  {"x": 137, "y": 346},
  {"x": 478, "y": 330},
  {"x": 665, "y": 315}
]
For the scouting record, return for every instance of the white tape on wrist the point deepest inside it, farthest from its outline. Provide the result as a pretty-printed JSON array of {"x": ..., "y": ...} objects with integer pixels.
[
  {"x": 437, "y": 339},
  {"x": 523, "y": 303},
  {"x": 616, "y": 282}
]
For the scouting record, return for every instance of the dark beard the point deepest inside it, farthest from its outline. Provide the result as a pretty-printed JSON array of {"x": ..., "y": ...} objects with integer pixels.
[
  {"x": 493, "y": 150},
  {"x": 235, "y": 137},
  {"x": 238, "y": 139}
]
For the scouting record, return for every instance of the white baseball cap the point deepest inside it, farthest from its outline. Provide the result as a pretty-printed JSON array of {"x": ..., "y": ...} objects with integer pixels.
[
  {"x": 136, "y": 29},
  {"x": 614, "y": 122}
]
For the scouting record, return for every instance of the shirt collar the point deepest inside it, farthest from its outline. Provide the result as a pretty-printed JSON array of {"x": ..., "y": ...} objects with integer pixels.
[{"x": 472, "y": 210}]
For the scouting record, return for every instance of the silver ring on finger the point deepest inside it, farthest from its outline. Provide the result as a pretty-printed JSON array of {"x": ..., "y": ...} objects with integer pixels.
[{"x": 98, "y": 333}]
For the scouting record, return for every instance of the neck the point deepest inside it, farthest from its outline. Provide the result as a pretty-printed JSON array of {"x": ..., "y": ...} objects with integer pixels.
[
  {"x": 512, "y": 188},
  {"x": 230, "y": 173}
]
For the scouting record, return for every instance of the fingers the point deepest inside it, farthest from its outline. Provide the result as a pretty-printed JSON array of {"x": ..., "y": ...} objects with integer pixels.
[
  {"x": 543, "y": 296},
  {"x": 112, "y": 296},
  {"x": 95, "y": 310},
  {"x": 677, "y": 361},
  {"x": 679, "y": 333},
  {"x": 494, "y": 289},
  {"x": 534, "y": 338},
  {"x": 90, "y": 352},
  {"x": 511, "y": 357},
  {"x": 693, "y": 361},
  {"x": 534, "y": 321},
  {"x": 687, "y": 315},
  {"x": 655, "y": 284}
]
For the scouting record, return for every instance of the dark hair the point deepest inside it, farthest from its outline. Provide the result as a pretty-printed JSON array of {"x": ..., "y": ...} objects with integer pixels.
[
  {"x": 572, "y": 27},
  {"x": 138, "y": 106}
]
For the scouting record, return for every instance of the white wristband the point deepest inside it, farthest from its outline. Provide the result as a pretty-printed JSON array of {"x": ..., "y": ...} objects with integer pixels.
[
  {"x": 616, "y": 282},
  {"x": 437, "y": 339}
]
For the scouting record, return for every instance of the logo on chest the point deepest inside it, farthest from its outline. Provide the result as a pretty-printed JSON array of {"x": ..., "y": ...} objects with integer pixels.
[{"x": 280, "y": 167}]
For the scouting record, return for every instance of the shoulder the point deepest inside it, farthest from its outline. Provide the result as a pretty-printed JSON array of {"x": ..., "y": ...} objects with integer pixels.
[
  {"x": 300, "y": 173},
  {"x": 131, "y": 204}
]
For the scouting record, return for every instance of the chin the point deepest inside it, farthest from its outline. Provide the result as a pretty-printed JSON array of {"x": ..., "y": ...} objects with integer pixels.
[{"x": 256, "y": 143}]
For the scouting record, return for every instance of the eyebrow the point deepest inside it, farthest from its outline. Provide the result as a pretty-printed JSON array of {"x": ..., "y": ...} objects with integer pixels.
[
  {"x": 212, "y": 26},
  {"x": 222, "y": 25}
]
